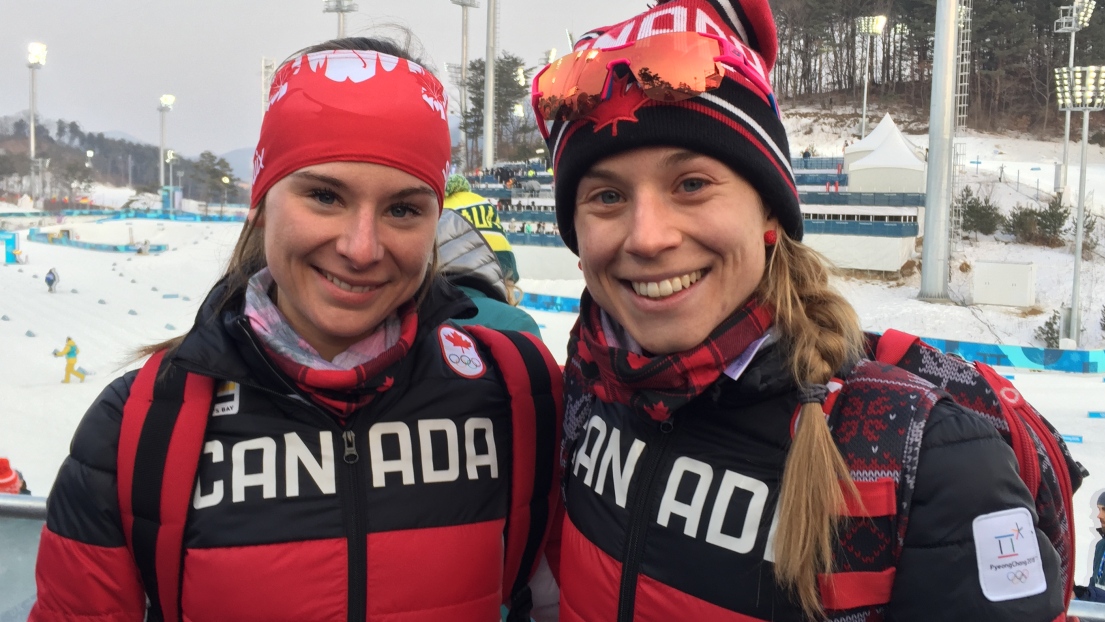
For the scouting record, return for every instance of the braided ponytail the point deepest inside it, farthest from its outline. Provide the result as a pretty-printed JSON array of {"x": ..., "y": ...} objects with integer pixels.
[{"x": 822, "y": 333}]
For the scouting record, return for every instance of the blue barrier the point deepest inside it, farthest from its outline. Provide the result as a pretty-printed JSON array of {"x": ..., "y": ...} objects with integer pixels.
[
  {"x": 820, "y": 179},
  {"x": 1072, "y": 438},
  {"x": 36, "y": 235},
  {"x": 1097, "y": 415},
  {"x": 544, "y": 302},
  {"x": 854, "y": 227},
  {"x": 816, "y": 163},
  {"x": 526, "y": 216},
  {"x": 880, "y": 199},
  {"x": 534, "y": 239}
]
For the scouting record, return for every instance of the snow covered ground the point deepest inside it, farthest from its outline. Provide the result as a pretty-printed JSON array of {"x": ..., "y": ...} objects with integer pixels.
[{"x": 38, "y": 414}]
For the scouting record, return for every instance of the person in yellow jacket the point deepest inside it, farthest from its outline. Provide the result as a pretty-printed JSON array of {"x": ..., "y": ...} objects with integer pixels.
[
  {"x": 70, "y": 352},
  {"x": 483, "y": 216}
]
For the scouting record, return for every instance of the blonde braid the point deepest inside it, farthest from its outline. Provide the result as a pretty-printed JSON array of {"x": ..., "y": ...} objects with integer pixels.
[{"x": 822, "y": 334}]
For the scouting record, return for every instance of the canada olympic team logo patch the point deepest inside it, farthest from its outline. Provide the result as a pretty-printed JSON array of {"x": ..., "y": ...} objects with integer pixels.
[{"x": 459, "y": 352}]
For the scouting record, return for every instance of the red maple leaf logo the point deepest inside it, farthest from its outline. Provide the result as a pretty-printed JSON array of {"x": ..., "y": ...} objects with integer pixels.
[
  {"x": 387, "y": 384},
  {"x": 625, "y": 100},
  {"x": 458, "y": 340},
  {"x": 658, "y": 411}
]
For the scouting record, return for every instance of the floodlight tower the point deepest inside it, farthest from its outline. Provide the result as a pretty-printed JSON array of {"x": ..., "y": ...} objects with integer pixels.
[
  {"x": 489, "y": 87},
  {"x": 36, "y": 58},
  {"x": 1071, "y": 19},
  {"x": 341, "y": 7},
  {"x": 938, "y": 187},
  {"x": 1080, "y": 89},
  {"x": 869, "y": 27},
  {"x": 464, "y": 6},
  {"x": 165, "y": 105}
]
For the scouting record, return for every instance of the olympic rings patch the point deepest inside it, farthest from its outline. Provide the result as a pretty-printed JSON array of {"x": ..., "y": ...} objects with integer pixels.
[
  {"x": 1017, "y": 576},
  {"x": 459, "y": 351}
]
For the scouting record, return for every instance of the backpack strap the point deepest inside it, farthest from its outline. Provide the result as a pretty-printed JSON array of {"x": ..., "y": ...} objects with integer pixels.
[
  {"x": 892, "y": 346},
  {"x": 164, "y": 419},
  {"x": 535, "y": 384},
  {"x": 881, "y": 453}
]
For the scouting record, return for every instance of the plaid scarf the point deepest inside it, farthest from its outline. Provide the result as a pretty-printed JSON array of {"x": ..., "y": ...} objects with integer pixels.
[
  {"x": 599, "y": 366},
  {"x": 355, "y": 377}
]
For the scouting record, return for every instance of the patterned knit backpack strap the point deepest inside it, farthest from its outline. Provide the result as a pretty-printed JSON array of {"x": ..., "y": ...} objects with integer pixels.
[{"x": 877, "y": 421}]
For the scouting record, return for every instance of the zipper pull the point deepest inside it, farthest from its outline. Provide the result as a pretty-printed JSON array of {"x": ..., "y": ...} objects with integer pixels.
[
  {"x": 350, "y": 447},
  {"x": 667, "y": 425}
]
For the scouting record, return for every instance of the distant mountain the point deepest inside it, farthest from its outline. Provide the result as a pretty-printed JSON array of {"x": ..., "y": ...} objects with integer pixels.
[
  {"x": 117, "y": 135},
  {"x": 241, "y": 162}
]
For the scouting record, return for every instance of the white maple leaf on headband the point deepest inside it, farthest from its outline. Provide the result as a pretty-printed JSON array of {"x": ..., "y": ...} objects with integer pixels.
[
  {"x": 351, "y": 65},
  {"x": 258, "y": 164},
  {"x": 433, "y": 93},
  {"x": 278, "y": 92}
]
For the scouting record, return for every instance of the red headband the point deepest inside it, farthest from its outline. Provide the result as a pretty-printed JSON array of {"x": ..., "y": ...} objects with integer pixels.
[{"x": 353, "y": 106}]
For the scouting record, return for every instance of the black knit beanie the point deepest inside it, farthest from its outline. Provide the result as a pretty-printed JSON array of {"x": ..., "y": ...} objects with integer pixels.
[
  {"x": 1101, "y": 500},
  {"x": 735, "y": 123}
]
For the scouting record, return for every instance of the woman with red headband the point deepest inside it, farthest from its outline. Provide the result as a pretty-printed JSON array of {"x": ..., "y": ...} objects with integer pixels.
[
  {"x": 323, "y": 444},
  {"x": 703, "y": 479}
]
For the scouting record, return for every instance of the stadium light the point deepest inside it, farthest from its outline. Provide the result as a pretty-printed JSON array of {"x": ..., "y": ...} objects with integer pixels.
[
  {"x": 463, "y": 78},
  {"x": 165, "y": 105},
  {"x": 89, "y": 154},
  {"x": 341, "y": 7},
  {"x": 1080, "y": 89},
  {"x": 36, "y": 58},
  {"x": 1072, "y": 18},
  {"x": 869, "y": 27}
]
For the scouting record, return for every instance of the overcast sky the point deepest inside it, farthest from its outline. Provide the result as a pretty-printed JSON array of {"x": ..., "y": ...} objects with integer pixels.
[{"x": 110, "y": 60}]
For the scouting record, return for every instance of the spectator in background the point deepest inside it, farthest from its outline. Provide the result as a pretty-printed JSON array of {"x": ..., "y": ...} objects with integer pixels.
[
  {"x": 52, "y": 280},
  {"x": 485, "y": 218},
  {"x": 11, "y": 481},
  {"x": 1094, "y": 591},
  {"x": 468, "y": 262}
]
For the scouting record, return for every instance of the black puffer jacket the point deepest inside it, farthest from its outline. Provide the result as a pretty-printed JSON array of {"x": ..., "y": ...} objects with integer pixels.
[
  {"x": 396, "y": 514},
  {"x": 676, "y": 521}
]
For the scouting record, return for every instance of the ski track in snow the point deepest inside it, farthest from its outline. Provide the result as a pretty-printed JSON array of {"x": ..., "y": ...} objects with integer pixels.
[{"x": 40, "y": 414}]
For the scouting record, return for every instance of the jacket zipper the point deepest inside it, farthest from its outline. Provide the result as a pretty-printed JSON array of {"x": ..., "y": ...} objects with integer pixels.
[
  {"x": 357, "y": 523},
  {"x": 358, "y": 528},
  {"x": 639, "y": 519}
]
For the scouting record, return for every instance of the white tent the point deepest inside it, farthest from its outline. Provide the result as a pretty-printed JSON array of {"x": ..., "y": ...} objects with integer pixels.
[
  {"x": 861, "y": 149},
  {"x": 892, "y": 167}
]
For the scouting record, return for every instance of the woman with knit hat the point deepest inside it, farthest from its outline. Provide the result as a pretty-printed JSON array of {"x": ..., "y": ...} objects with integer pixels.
[
  {"x": 703, "y": 480},
  {"x": 356, "y": 455}
]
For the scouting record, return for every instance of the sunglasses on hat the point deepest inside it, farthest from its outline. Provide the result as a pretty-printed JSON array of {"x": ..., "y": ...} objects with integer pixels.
[{"x": 668, "y": 67}]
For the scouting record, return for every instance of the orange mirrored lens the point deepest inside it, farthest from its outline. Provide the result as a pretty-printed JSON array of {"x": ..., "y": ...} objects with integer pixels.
[
  {"x": 675, "y": 66},
  {"x": 669, "y": 67}
]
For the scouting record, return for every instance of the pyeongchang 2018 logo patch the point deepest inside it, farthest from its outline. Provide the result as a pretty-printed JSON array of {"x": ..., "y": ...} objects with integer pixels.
[
  {"x": 227, "y": 399},
  {"x": 1009, "y": 561},
  {"x": 460, "y": 353}
]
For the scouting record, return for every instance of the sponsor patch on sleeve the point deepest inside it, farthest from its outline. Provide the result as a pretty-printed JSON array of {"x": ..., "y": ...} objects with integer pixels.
[
  {"x": 227, "y": 399},
  {"x": 1009, "y": 563}
]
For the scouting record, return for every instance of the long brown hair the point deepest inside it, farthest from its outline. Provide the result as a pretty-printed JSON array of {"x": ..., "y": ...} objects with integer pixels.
[
  {"x": 248, "y": 257},
  {"x": 822, "y": 334}
]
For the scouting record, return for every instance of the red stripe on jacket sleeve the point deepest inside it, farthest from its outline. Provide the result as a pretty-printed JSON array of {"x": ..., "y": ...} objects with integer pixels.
[{"x": 79, "y": 581}]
